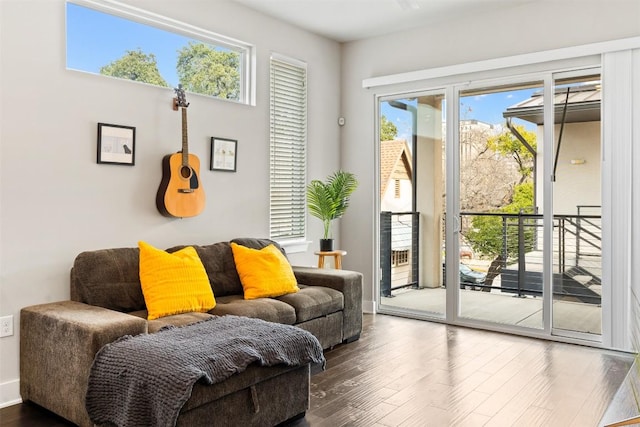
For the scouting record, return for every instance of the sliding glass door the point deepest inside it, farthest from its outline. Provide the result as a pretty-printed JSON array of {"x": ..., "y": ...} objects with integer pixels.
[
  {"x": 577, "y": 206},
  {"x": 516, "y": 199},
  {"x": 500, "y": 238},
  {"x": 412, "y": 203}
]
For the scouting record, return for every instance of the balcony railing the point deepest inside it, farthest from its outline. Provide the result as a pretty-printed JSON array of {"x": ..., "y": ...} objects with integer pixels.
[
  {"x": 516, "y": 266},
  {"x": 399, "y": 257}
]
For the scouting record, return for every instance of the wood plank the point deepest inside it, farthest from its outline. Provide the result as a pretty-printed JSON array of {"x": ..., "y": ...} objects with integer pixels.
[{"x": 405, "y": 372}]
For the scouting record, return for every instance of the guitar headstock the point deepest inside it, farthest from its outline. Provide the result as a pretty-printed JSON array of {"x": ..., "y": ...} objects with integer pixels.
[{"x": 180, "y": 100}]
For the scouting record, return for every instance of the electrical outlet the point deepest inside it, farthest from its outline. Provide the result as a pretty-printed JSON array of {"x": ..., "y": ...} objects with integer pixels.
[{"x": 6, "y": 326}]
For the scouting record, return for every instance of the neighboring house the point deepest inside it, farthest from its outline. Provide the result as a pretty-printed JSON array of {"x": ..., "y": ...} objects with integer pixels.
[
  {"x": 396, "y": 196},
  {"x": 577, "y": 172},
  {"x": 577, "y": 176}
]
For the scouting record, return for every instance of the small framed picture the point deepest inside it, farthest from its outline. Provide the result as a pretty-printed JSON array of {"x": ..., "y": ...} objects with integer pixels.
[
  {"x": 223, "y": 154},
  {"x": 116, "y": 144}
]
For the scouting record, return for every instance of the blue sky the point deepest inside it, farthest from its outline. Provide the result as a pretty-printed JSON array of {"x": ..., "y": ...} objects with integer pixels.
[
  {"x": 487, "y": 108},
  {"x": 95, "y": 39}
]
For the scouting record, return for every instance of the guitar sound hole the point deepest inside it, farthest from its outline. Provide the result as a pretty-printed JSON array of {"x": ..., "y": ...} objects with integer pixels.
[{"x": 185, "y": 172}]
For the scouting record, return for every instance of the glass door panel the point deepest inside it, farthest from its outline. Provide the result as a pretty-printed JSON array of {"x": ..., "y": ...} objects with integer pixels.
[
  {"x": 412, "y": 204},
  {"x": 577, "y": 227},
  {"x": 501, "y": 239},
  {"x": 524, "y": 232}
]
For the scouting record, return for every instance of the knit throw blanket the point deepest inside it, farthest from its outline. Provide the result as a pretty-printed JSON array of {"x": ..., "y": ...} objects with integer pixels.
[{"x": 145, "y": 380}]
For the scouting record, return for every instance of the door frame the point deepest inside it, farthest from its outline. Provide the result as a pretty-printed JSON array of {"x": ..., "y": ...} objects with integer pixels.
[{"x": 452, "y": 306}]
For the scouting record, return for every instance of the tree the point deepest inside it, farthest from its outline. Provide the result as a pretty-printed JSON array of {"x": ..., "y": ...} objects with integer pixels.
[
  {"x": 497, "y": 236},
  {"x": 486, "y": 179},
  {"x": 388, "y": 131},
  {"x": 135, "y": 65},
  {"x": 202, "y": 69},
  {"x": 486, "y": 235},
  {"x": 508, "y": 145}
]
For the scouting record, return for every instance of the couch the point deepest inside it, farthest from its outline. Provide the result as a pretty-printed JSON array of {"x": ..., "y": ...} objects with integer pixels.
[{"x": 59, "y": 340}]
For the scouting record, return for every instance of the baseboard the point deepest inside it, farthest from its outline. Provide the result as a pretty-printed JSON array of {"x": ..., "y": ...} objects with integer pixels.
[
  {"x": 369, "y": 307},
  {"x": 10, "y": 393}
]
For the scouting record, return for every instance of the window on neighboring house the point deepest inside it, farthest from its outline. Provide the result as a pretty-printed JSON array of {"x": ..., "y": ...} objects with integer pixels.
[
  {"x": 288, "y": 146},
  {"x": 124, "y": 42},
  {"x": 399, "y": 258}
]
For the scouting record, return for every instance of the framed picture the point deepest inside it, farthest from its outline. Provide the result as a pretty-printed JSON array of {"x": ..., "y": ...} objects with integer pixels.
[
  {"x": 116, "y": 144},
  {"x": 223, "y": 154}
]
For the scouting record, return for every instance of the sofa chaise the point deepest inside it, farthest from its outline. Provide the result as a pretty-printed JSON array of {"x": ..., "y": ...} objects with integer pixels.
[{"x": 59, "y": 340}]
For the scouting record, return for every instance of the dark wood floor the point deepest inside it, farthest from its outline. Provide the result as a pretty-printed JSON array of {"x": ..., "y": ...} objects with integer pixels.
[{"x": 406, "y": 372}]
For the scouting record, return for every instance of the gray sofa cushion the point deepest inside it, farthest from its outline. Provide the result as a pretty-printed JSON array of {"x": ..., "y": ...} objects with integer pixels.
[
  {"x": 108, "y": 278},
  {"x": 268, "y": 309},
  {"x": 182, "y": 319},
  {"x": 253, "y": 243},
  {"x": 314, "y": 301},
  {"x": 217, "y": 259}
]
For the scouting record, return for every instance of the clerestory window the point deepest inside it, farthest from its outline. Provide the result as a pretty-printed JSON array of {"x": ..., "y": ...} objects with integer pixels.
[{"x": 116, "y": 40}]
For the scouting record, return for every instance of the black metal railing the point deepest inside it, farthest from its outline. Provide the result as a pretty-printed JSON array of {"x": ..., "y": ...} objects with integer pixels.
[
  {"x": 577, "y": 250},
  {"x": 589, "y": 230},
  {"x": 399, "y": 250},
  {"x": 516, "y": 266}
]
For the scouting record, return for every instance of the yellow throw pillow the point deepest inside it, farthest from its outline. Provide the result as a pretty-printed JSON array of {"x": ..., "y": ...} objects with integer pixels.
[
  {"x": 263, "y": 273},
  {"x": 173, "y": 283}
]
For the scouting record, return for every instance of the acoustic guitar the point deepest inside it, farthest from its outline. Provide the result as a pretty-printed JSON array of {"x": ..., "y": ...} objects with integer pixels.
[{"x": 180, "y": 193}]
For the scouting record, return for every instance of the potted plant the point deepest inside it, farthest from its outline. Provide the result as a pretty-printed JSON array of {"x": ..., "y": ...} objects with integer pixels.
[{"x": 329, "y": 200}]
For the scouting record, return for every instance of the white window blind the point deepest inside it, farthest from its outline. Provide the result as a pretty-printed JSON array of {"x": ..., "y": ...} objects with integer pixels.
[{"x": 288, "y": 146}]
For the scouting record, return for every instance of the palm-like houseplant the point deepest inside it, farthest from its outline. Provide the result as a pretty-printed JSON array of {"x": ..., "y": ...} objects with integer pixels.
[{"x": 329, "y": 200}]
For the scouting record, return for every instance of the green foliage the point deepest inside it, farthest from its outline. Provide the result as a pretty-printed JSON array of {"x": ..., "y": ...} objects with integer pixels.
[
  {"x": 522, "y": 199},
  {"x": 330, "y": 199},
  {"x": 135, "y": 65},
  {"x": 508, "y": 145},
  {"x": 202, "y": 69},
  {"x": 388, "y": 131},
  {"x": 487, "y": 233}
]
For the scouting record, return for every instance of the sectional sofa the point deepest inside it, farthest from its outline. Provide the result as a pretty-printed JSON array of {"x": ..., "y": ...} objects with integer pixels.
[{"x": 59, "y": 340}]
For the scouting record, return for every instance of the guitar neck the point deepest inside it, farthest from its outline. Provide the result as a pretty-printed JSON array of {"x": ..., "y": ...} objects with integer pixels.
[{"x": 185, "y": 142}]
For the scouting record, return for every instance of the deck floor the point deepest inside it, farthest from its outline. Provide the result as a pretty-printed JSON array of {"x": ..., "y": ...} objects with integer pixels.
[{"x": 500, "y": 308}]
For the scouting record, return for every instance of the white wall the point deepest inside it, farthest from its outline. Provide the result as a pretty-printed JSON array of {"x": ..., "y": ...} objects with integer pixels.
[
  {"x": 523, "y": 28},
  {"x": 56, "y": 201},
  {"x": 576, "y": 184}
]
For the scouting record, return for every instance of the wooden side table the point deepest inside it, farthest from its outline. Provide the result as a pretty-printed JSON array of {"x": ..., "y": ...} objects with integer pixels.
[{"x": 337, "y": 258}]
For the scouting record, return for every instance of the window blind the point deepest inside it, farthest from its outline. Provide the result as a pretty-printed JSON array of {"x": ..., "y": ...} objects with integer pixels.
[{"x": 288, "y": 146}]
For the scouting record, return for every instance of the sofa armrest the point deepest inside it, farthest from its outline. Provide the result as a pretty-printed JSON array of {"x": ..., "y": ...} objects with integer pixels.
[
  {"x": 58, "y": 342},
  {"x": 345, "y": 281}
]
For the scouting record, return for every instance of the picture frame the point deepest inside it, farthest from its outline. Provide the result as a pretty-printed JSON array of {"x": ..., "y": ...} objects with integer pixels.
[
  {"x": 223, "y": 154},
  {"x": 116, "y": 144}
]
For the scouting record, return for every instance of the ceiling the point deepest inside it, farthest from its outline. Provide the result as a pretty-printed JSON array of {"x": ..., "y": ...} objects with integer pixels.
[{"x": 349, "y": 20}]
